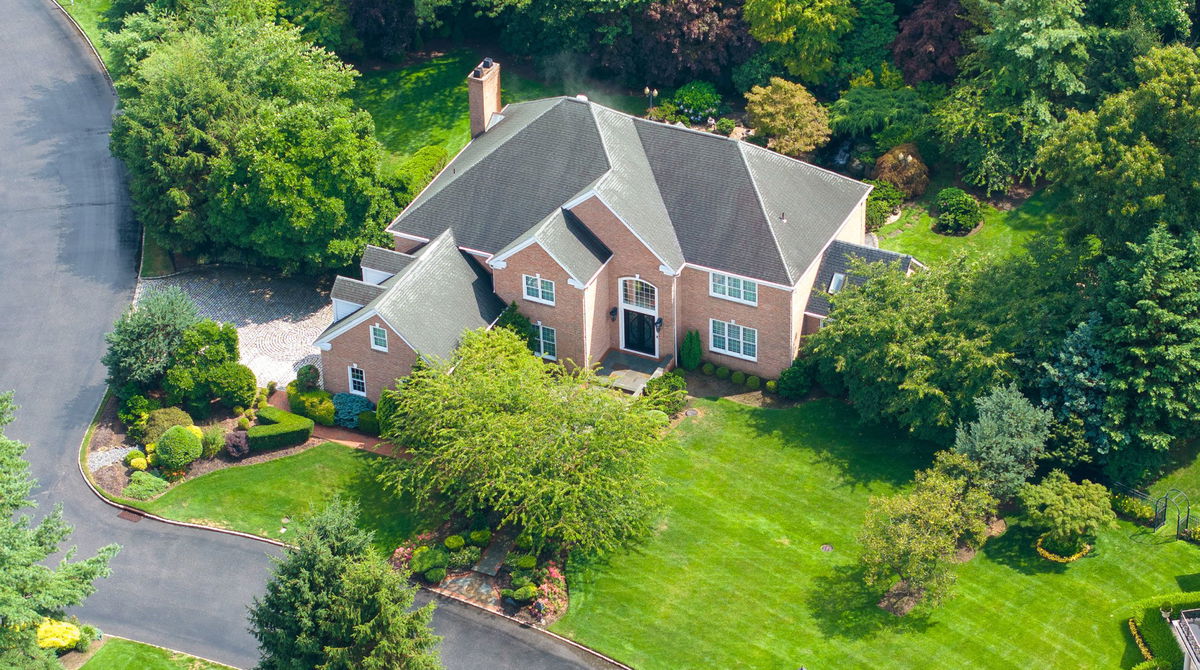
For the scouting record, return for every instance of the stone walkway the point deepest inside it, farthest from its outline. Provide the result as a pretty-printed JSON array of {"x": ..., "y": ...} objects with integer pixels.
[{"x": 277, "y": 318}]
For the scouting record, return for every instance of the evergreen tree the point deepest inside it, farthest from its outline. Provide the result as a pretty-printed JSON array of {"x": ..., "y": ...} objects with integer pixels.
[
  {"x": 809, "y": 32},
  {"x": 317, "y": 613},
  {"x": 32, "y": 588},
  {"x": 1006, "y": 439},
  {"x": 144, "y": 341},
  {"x": 1073, "y": 388}
]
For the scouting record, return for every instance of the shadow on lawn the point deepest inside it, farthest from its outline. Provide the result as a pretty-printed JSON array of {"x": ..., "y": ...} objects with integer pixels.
[
  {"x": 393, "y": 518},
  {"x": 843, "y": 606},
  {"x": 1016, "y": 549}
]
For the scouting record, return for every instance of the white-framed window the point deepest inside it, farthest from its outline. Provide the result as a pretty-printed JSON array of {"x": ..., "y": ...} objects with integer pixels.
[
  {"x": 838, "y": 281},
  {"x": 378, "y": 338},
  {"x": 640, "y": 295},
  {"x": 733, "y": 288},
  {"x": 539, "y": 290},
  {"x": 726, "y": 337},
  {"x": 358, "y": 380},
  {"x": 545, "y": 342}
]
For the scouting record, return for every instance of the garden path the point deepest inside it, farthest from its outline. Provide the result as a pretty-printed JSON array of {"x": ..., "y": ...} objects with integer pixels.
[{"x": 277, "y": 317}]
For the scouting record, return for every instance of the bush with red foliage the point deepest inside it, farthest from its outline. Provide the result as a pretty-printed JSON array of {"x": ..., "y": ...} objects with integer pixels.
[{"x": 931, "y": 41}]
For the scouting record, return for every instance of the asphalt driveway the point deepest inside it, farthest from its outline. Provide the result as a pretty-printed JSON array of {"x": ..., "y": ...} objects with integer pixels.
[{"x": 67, "y": 254}]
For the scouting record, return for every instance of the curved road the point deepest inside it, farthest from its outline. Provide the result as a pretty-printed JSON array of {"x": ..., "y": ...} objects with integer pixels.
[{"x": 67, "y": 254}]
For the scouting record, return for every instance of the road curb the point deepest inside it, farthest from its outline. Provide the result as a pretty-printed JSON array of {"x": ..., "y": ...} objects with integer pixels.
[
  {"x": 173, "y": 651},
  {"x": 567, "y": 641},
  {"x": 87, "y": 40}
]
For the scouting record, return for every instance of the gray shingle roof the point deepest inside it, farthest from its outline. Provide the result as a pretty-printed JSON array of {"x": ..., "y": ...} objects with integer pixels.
[
  {"x": 384, "y": 260},
  {"x": 568, "y": 241},
  {"x": 355, "y": 291},
  {"x": 691, "y": 196},
  {"x": 437, "y": 296},
  {"x": 838, "y": 258}
]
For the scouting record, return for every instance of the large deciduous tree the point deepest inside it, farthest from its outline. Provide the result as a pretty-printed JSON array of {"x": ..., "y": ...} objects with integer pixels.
[
  {"x": 787, "y": 113},
  {"x": 1006, "y": 439},
  {"x": 809, "y": 32},
  {"x": 1128, "y": 165},
  {"x": 241, "y": 145},
  {"x": 930, "y": 41},
  {"x": 32, "y": 587},
  {"x": 904, "y": 353},
  {"x": 332, "y": 604},
  {"x": 496, "y": 429}
]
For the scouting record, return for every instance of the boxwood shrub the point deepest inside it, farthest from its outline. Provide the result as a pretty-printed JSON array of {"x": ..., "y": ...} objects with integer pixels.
[
  {"x": 425, "y": 559},
  {"x": 753, "y": 383},
  {"x": 314, "y": 404},
  {"x": 144, "y": 486},
  {"x": 958, "y": 211},
  {"x": 347, "y": 407},
  {"x": 480, "y": 538},
  {"x": 454, "y": 542},
  {"x": 738, "y": 378},
  {"x": 708, "y": 368},
  {"x": 278, "y": 429},
  {"x": 161, "y": 420},
  {"x": 435, "y": 575},
  {"x": 178, "y": 447},
  {"x": 722, "y": 372},
  {"x": 368, "y": 422}
]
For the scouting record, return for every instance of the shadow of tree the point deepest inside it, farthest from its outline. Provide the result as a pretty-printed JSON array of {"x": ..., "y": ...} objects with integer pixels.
[
  {"x": 1015, "y": 549},
  {"x": 843, "y": 606}
]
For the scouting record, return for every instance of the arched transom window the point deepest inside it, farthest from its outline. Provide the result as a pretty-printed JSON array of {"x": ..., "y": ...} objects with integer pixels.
[{"x": 639, "y": 295}]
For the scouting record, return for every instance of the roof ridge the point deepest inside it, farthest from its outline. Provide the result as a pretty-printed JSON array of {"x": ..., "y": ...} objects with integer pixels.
[{"x": 766, "y": 215}]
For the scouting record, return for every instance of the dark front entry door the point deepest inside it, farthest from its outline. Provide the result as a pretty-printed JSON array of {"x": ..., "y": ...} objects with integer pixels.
[{"x": 639, "y": 332}]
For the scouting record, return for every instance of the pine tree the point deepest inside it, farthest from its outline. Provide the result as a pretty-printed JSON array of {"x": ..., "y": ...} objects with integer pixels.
[
  {"x": 1073, "y": 388},
  {"x": 1005, "y": 440}
]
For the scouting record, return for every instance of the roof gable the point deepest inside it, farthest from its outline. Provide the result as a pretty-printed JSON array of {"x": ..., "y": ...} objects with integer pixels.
[{"x": 839, "y": 258}]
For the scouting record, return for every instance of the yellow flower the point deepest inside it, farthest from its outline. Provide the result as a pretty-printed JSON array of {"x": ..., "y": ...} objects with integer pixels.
[
  {"x": 53, "y": 634},
  {"x": 151, "y": 447}
]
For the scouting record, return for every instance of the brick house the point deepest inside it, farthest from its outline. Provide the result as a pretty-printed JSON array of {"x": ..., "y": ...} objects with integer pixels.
[{"x": 615, "y": 235}]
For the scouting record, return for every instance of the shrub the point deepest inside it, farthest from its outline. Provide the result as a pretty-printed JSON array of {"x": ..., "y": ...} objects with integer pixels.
[
  {"x": 667, "y": 393},
  {"x": 347, "y": 407},
  {"x": 753, "y": 383},
  {"x": 454, "y": 542},
  {"x": 232, "y": 384},
  {"x": 212, "y": 441},
  {"x": 772, "y": 386},
  {"x": 1155, "y": 632},
  {"x": 368, "y": 423},
  {"x": 523, "y": 561},
  {"x": 789, "y": 115},
  {"x": 1133, "y": 509},
  {"x": 522, "y": 595},
  {"x": 666, "y": 111},
  {"x": 308, "y": 378},
  {"x": 689, "y": 351},
  {"x": 524, "y": 541},
  {"x": 903, "y": 167},
  {"x": 54, "y": 634},
  {"x": 132, "y": 455},
  {"x": 144, "y": 486},
  {"x": 271, "y": 386},
  {"x": 722, "y": 372},
  {"x": 243, "y": 423},
  {"x": 796, "y": 380},
  {"x": 278, "y": 429},
  {"x": 139, "y": 464},
  {"x": 237, "y": 443},
  {"x": 697, "y": 100},
  {"x": 884, "y": 200},
  {"x": 314, "y": 404},
  {"x": 161, "y": 420},
  {"x": 480, "y": 538},
  {"x": 87, "y": 635},
  {"x": 435, "y": 575},
  {"x": 519, "y": 580},
  {"x": 465, "y": 557},
  {"x": 708, "y": 368},
  {"x": 725, "y": 126},
  {"x": 738, "y": 378},
  {"x": 427, "y": 558},
  {"x": 178, "y": 447},
  {"x": 133, "y": 412},
  {"x": 239, "y": 410},
  {"x": 958, "y": 211}
]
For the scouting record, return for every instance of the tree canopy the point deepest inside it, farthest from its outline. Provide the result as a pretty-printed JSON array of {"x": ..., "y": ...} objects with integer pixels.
[
  {"x": 788, "y": 114},
  {"x": 496, "y": 429},
  {"x": 1006, "y": 439}
]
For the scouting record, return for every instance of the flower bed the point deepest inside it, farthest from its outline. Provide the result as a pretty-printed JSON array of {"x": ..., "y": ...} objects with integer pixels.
[{"x": 1051, "y": 556}]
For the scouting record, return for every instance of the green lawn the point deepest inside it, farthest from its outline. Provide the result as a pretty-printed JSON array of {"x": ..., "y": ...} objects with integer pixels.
[
  {"x": 118, "y": 654},
  {"x": 426, "y": 103},
  {"x": 255, "y": 498},
  {"x": 1003, "y": 232},
  {"x": 735, "y": 576},
  {"x": 89, "y": 14}
]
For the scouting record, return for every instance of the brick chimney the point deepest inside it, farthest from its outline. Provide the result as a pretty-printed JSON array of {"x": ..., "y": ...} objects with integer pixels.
[{"x": 483, "y": 90}]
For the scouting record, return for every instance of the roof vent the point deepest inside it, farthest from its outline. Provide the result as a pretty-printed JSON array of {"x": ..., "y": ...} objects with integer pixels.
[
  {"x": 581, "y": 97},
  {"x": 783, "y": 217},
  {"x": 478, "y": 72},
  {"x": 487, "y": 62}
]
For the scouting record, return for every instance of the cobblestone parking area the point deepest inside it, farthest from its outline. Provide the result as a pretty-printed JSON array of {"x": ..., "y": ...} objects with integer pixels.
[{"x": 277, "y": 318}]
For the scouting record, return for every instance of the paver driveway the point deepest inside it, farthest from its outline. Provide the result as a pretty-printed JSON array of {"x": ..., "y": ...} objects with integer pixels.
[{"x": 67, "y": 247}]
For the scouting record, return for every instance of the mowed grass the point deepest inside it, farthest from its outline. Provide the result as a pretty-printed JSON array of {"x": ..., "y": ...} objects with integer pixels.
[
  {"x": 735, "y": 575},
  {"x": 425, "y": 103},
  {"x": 89, "y": 14},
  {"x": 118, "y": 654},
  {"x": 1003, "y": 232},
  {"x": 256, "y": 498}
]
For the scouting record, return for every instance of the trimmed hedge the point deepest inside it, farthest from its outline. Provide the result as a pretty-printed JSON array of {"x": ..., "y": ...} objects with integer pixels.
[
  {"x": 708, "y": 368},
  {"x": 160, "y": 421},
  {"x": 278, "y": 429},
  {"x": 315, "y": 404},
  {"x": 1155, "y": 632},
  {"x": 368, "y": 423},
  {"x": 738, "y": 377}
]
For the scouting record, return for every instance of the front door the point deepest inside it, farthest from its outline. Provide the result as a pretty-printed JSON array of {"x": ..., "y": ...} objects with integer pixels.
[{"x": 639, "y": 332}]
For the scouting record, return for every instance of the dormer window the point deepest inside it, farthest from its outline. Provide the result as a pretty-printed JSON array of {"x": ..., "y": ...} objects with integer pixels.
[
  {"x": 836, "y": 284},
  {"x": 539, "y": 290},
  {"x": 379, "y": 338},
  {"x": 733, "y": 288}
]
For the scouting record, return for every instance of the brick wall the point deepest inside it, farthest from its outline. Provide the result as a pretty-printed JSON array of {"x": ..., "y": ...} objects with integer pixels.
[
  {"x": 353, "y": 347},
  {"x": 566, "y": 316}
]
